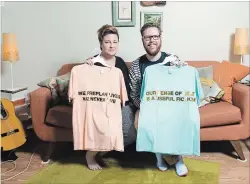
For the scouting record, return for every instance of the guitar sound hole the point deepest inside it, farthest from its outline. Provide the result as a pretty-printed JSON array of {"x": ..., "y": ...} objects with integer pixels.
[{"x": 4, "y": 113}]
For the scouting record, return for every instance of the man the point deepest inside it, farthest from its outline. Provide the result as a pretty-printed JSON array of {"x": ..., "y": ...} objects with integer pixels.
[{"x": 151, "y": 39}]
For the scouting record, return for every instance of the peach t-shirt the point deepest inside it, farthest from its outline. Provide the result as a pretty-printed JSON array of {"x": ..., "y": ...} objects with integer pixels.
[{"x": 97, "y": 93}]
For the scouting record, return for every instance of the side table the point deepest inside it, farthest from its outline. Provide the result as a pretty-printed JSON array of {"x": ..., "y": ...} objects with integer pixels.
[
  {"x": 16, "y": 95},
  {"x": 23, "y": 113}
]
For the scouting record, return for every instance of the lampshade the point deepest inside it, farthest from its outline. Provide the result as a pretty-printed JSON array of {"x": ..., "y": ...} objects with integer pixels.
[
  {"x": 9, "y": 48},
  {"x": 241, "y": 42}
]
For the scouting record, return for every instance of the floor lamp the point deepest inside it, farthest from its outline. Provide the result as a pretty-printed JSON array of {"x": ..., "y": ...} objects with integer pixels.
[
  {"x": 241, "y": 42},
  {"x": 10, "y": 52}
]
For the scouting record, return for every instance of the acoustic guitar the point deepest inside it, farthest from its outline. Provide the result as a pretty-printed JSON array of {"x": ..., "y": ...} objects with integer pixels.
[{"x": 12, "y": 132}]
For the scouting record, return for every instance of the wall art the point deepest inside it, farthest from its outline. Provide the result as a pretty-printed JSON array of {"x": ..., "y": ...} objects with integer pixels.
[{"x": 123, "y": 13}]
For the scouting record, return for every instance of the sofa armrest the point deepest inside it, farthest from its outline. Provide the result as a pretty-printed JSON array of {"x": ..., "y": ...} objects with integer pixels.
[
  {"x": 40, "y": 102},
  {"x": 240, "y": 98}
]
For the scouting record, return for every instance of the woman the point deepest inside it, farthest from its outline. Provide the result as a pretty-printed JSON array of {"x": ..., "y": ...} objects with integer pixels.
[{"x": 108, "y": 37}]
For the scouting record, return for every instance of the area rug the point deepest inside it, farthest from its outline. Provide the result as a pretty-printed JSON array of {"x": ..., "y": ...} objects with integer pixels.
[{"x": 119, "y": 172}]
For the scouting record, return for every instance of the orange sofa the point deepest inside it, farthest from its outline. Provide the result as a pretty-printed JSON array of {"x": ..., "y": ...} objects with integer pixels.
[{"x": 219, "y": 121}]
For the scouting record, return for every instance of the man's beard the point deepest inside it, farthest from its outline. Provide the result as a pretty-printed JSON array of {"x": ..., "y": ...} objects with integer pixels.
[{"x": 154, "y": 53}]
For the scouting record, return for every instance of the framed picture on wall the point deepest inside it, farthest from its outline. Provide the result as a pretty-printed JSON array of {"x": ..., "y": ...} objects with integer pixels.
[
  {"x": 123, "y": 13},
  {"x": 152, "y": 17},
  {"x": 153, "y": 3}
]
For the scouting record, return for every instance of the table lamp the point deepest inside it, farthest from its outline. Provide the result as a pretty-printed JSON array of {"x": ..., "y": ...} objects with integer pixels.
[
  {"x": 241, "y": 42},
  {"x": 10, "y": 52}
]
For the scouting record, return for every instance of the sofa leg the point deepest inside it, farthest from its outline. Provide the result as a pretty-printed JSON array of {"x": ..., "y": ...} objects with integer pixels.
[
  {"x": 47, "y": 151},
  {"x": 238, "y": 149}
]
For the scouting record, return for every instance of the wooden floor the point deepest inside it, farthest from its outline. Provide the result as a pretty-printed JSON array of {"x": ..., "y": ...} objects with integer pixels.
[{"x": 232, "y": 171}]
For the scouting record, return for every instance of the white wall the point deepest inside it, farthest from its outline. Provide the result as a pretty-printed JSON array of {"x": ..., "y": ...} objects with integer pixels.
[{"x": 54, "y": 33}]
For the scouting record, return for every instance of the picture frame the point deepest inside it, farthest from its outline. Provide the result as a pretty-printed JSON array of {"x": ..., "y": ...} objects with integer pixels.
[
  {"x": 124, "y": 13},
  {"x": 155, "y": 17},
  {"x": 153, "y": 3}
]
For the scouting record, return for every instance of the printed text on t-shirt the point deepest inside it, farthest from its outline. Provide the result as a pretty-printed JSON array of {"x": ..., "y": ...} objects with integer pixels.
[
  {"x": 180, "y": 96},
  {"x": 98, "y": 96}
]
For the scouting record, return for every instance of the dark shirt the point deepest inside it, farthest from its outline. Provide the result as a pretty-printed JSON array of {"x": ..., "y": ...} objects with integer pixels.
[
  {"x": 136, "y": 75},
  {"x": 144, "y": 62},
  {"x": 120, "y": 63}
]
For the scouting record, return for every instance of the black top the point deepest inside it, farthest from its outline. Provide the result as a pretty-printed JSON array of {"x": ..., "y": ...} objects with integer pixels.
[
  {"x": 120, "y": 63},
  {"x": 144, "y": 62}
]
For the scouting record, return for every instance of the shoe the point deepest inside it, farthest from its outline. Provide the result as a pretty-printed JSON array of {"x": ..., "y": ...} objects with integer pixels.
[
  {"x": 161, "y": 164},
  {"x": 181, "y": 168},
  {"x": 162, "y": 167}
]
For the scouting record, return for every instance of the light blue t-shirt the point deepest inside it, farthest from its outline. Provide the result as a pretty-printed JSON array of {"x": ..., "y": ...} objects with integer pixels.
[{"x": 169, "y": 119}]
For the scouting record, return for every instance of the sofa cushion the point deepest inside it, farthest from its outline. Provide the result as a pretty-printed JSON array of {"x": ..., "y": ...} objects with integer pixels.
[
  {"x": 58, "y": 86},
  {"x": 205, "y": 73},
  {"x": 214, "y": 94},
  {"x": 225, "y": 74},
  {"x": 60, "y": 116},
  {"x": 221, "y": 113},
  {"x": 199, "y": 64},
  {"x": 62, "y": 87},
  {"x": 209, "y": 86}
]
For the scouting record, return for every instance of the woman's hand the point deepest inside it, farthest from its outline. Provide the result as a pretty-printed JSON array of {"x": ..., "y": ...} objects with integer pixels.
[{"x": 90, "y": 61}]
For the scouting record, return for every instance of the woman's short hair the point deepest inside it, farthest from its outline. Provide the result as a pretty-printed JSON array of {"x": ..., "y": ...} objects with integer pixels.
[{"x": 105, "y": 30}]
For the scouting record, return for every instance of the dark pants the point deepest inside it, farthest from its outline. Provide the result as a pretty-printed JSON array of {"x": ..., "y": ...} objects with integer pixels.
[{"x": 129, "y": 131}]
